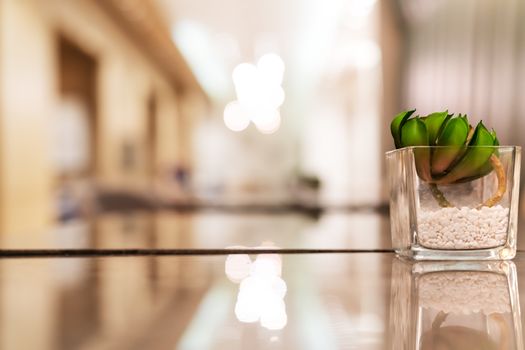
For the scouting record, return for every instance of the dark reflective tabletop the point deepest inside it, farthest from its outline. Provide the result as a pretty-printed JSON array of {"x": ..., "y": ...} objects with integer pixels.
[
  {"x": 259, "y": 301},
  {"x": 163, "y": 281},
  {"x": 210, "y": 230}
]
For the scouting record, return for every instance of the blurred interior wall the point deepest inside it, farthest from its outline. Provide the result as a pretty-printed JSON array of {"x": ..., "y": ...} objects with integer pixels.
[
  {"x": 26, "y": 103},
  {"x": 128, "y": 84},
  {"x": 467, "y": 57},
  {"x": 124, "y": 134}
]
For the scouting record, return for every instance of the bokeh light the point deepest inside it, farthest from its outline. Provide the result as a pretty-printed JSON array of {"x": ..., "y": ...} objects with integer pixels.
[
  {"x": 259, "y": 95},
  {"x": 237, "y": 267},
  {"x": 267, "y": 265},
  {"x": 244, "y": 73},
  {"x": 271, "y": 68},
  {"x": 235, "y": 117},
  {"x": 261, "y": 289},
  {"x": 268, "y": 124}
]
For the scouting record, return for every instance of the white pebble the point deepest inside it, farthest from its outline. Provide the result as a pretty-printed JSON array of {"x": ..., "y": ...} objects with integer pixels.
[
  {"x": 463, "y": 228},
  {"x": 464, "y": 292}
]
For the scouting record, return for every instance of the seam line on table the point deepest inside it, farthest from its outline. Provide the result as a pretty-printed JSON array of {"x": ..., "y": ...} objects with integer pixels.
[
  {"x": 28, "y": 253},
  {"x": 171, "y": 252}
]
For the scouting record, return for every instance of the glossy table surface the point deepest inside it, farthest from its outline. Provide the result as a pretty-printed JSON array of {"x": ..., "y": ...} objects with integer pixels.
[{"x": 161, "y": 281}]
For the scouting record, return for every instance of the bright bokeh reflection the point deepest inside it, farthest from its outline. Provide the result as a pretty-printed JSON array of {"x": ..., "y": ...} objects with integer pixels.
[
  {"x": 261, "y": 289},
  {"x": 259, "y": 95},
  {"x": 267, "y": 265},
  {"x": 237, "y": 267}
]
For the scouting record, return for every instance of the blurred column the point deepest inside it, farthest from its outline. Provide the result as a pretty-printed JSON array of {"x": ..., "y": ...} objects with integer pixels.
[
  {"x": 391, "y": 34},
  {"x": 27, "y": 87}
]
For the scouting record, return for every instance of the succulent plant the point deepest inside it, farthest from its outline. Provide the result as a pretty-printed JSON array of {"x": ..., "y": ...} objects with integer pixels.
[{"x": 462, "y": 153}]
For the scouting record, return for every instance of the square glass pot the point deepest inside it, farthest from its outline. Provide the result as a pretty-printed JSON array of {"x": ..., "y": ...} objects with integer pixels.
[
  {"x": 468, "y": 212},
  {"x": 454, "y": 305}
]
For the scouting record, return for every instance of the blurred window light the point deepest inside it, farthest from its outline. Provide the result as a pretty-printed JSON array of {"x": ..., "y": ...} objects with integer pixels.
[
  {"x": 360, "y": 8},
  {"x": 227, "y": 46},
  {"x": 235, "y": 116},
  {"x": 203, "y": 55},
  {"x": 361, "y": 54},
  {"x": 367, "y": 54},
  {"x": 359, "y": 18},
  {"x": 71, "y": 136}
]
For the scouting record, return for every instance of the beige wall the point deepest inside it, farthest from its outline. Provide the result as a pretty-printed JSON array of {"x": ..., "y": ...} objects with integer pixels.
[
  {"x": 126, "y": 80},
  {"x": 27, "y": 86},
  {"x": 29, "y": 31}
]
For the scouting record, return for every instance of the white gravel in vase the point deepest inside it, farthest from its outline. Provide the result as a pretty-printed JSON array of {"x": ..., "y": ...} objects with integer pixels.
[
  {"x": 463, "y": 228},
  {"x": 464, "y": 292}
]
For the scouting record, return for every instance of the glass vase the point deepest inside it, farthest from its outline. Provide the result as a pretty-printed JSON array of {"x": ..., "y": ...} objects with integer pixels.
[
  {"x": 454, "y": 305},
  {"x": 468, "y": 218}
]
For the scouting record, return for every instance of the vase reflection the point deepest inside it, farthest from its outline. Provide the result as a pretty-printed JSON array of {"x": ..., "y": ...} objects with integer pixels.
[{"x": 454, "y": 305}]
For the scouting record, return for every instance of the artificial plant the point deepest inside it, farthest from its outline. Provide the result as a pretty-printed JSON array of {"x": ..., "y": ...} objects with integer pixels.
[{"x": 462, "y": 153}]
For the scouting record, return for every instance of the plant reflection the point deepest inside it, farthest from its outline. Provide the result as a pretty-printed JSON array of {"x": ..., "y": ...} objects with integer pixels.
[
  {"x": 461, "y": 337},
  {"x": 261, "y": 288},
  {"x": 449, "y": 306}
]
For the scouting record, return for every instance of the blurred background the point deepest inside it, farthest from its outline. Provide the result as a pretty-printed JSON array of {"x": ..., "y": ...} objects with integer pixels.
[
  {"x": 210, "y": 124},
  {"x": 127, "y": 104}
]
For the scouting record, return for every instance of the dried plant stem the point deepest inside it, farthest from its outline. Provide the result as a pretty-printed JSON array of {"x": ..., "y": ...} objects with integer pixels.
[
  {"x": 438, "y": 321},
  {"x": 504, "y": 331},
  {"x": 439, "y": 196},
  {"x": 502, "y": 182}
]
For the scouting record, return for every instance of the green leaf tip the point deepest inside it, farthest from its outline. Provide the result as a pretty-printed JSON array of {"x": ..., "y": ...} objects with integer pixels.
[
  {"x": 414, "y": 133},
  {"x": 396, "y": 125},
  {"x": 434, "y": 123}
]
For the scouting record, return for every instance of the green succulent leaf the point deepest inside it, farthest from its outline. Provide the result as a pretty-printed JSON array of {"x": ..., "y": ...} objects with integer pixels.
[
  {"x": 454, "y": 136},
  {"x": 495, "y": 137},
  {"x": 414, "y": 133},
  {"x": 487, "y": 167},
  {"x": 454, "y": 133},
  {"x": 475, "y": 163},
  {"x": 435, "y": 123},
  {"x": 396, "y": 125}
]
